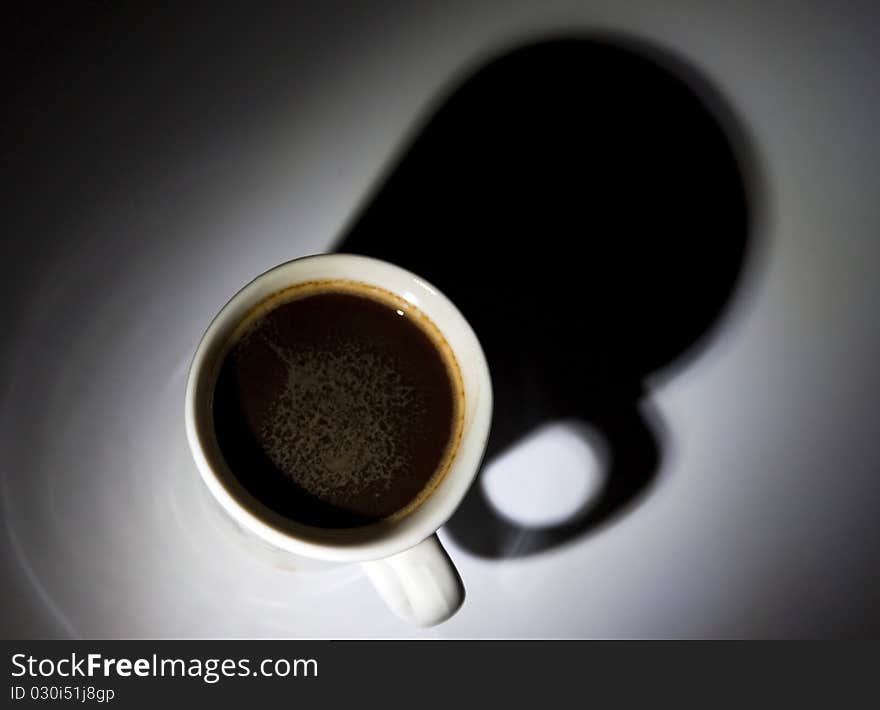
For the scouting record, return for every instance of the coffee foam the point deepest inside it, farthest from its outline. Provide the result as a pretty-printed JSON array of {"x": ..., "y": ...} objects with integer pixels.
[
  {"x": 355, "y": 400},
  {"x": 356, "y": 396}
]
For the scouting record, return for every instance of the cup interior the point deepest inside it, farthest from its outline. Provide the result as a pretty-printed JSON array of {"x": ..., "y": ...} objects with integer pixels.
[{"x": 369, "y": 541}]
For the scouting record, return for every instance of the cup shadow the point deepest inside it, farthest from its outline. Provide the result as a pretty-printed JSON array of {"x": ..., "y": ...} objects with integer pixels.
[{"x": 586, "y": 206}]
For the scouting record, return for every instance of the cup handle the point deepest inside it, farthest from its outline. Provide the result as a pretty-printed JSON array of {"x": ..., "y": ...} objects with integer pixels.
[{"x": 421, "y": 585}]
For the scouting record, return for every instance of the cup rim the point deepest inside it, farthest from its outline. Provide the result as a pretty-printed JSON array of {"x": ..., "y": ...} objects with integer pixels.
[{"x": 368, "y": 542}]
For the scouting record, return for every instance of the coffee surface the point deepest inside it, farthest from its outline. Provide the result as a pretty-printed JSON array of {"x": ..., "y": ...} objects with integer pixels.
[{"x": 337, "y": 408}]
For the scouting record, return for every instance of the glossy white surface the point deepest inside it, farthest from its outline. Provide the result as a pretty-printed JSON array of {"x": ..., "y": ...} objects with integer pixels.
[{"x": 764, "y": 519}]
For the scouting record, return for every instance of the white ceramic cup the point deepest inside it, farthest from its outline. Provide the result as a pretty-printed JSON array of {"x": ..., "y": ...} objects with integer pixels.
[{"x": 403, "y": 558}]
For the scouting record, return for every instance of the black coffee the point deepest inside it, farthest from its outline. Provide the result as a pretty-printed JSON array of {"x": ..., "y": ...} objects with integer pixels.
[{"x": 337, "y": 405}]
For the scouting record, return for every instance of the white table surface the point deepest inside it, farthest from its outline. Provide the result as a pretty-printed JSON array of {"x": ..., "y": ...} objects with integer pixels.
[{"x": 124, "y": 241}]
